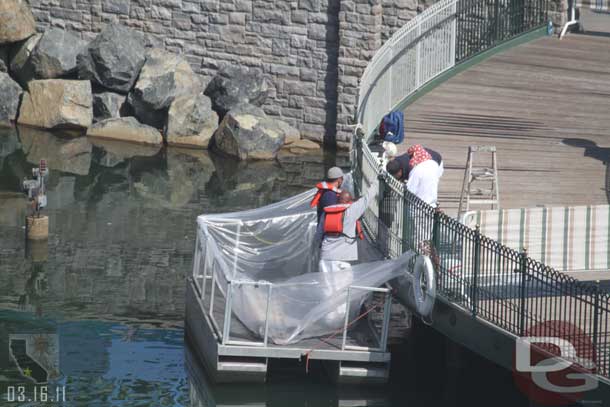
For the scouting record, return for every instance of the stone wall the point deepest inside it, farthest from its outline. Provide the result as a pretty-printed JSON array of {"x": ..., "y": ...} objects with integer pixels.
[{"x": 313, "y": 51}]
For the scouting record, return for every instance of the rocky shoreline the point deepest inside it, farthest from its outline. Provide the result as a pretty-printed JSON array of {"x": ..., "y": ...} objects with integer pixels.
[{"x": 120, "y": 86}]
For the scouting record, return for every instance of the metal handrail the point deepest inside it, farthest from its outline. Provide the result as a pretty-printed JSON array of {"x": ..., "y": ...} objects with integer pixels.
[{"x": 490, "y": 280}]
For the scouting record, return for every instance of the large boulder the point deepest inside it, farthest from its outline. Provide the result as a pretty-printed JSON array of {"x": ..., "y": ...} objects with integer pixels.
[
  {"x": 191, "y": 122},
  {"x": 164, "y": 77},
  {"x": 235, "y": 85},
  {"x": 125, "y": 129},
  {"x": 114, "y": 58},
  {"x": 62, "y": 153},
  {"x": 57, "y": 103},
  {"x": 9, "y": 101},
  {"x": 16, "y": 21},
  {"x": 20, "y": 67},
  {"x": 55, "y": 54},
  {"x": 108, "y": 105},
  {"x": 247, "y": 133}
]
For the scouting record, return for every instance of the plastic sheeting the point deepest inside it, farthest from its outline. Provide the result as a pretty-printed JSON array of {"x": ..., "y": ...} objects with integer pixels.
[{"x": 273, "y": 247}]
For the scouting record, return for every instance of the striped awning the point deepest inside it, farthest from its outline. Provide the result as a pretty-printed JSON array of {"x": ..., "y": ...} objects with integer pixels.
[
  {"x": 601, "y": 5},
  {"x": 565, "y": 238}
]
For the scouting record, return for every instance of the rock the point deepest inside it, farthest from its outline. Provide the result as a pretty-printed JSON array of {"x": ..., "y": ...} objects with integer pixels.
[
  {"x": 63, "y": 154},
  {"x": 107, "y": 105},
  {"x": 191, "y": 121},
  {"x": 292, "y": 134},
  {"x": 125, "y": 129},
  {"x": 110, "y": 153},
  {"x": 304, "y": 145},
  {"x": 55, "y": 54},
  {"x": 57, "y": 103},
  {"x": 9, "y": 101},
  {"x": 114, "y": 58},
  {"x": 9, "y": 142},
  {"x": 16, "y": 21},
  {"x": 164, "y": 77},
  {"x": 247, "y": 133},
  {"x": 20, "y": 67},
  {"x": 234, "y": 85},
  {"x": 4, "y": 63}
]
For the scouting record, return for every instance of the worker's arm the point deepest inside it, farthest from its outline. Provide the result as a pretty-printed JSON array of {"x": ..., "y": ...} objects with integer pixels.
[
  {"x": 358, "y": 208},
  {"x": 319, "y": 230}
]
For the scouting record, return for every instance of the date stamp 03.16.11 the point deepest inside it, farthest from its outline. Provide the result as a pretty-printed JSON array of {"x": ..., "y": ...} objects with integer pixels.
[{"x": 33, "y": 394}]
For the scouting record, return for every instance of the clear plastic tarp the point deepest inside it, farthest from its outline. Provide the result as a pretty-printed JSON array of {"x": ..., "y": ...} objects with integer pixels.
[{"x": 271, "y": 260}]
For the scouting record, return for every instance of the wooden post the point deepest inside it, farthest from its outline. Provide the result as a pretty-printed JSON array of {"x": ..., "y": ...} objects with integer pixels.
[{"x": 37, "y": 227}]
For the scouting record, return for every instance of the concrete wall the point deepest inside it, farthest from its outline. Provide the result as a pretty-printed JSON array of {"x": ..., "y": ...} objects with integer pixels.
[{"x": 313, "y": 51}]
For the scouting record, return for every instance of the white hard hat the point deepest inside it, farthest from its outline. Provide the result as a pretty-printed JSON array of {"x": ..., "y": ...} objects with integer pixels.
[{"x": 390, "y": 149}]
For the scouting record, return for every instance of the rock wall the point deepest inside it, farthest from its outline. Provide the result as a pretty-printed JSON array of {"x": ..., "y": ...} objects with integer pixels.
[{"x": 312, "y": 50}]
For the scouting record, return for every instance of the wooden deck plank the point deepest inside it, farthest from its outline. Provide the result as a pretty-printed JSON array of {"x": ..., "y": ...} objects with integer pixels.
[{"x": 526, "y": 101}]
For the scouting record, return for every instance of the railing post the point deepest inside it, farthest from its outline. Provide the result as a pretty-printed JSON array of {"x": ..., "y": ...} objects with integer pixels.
[
  {"x": 380, "y": 225},
  {"x": 436, "y": 237},
  {"x": 358, "y": 164},
  {"x": 596, "y": 319},
  {"x": 418, "y": 57},
  {"x": 523, "y": 272},
  {"x": 477, "y": 266},
  {"x": 406, "y": 222},
  {"x": 496, "y": 21}
]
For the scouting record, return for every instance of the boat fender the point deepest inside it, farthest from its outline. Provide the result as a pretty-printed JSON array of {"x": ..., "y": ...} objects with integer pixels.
[{"x": 424, "y": 286}]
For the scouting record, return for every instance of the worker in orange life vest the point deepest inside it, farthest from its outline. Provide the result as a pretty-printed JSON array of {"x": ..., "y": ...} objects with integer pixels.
[
  {"x": 328, "y": 191},
  {"x": 340, "y": 231}
]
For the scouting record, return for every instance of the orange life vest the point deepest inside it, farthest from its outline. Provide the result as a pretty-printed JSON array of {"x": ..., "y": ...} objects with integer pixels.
[
  {"x": 323, "y": 187},
  {"x": 333, "y": 221}
]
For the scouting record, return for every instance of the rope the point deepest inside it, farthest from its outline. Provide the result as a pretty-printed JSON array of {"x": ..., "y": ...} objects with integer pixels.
[{"x": 334, "y": 334}]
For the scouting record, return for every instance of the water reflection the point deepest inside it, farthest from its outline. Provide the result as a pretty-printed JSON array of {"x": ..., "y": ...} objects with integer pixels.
[
  {"x": 102, "y": 302},
  {"x": 99, "y": 363},
  {"x": 121, "y": 221}
]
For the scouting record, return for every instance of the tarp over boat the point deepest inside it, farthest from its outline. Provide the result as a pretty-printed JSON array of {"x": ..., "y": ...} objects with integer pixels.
[{"x": 274, "y": 245}]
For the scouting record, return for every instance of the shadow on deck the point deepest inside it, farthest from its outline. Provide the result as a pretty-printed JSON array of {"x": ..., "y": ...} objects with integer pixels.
[{"x": 544, "y": 104}]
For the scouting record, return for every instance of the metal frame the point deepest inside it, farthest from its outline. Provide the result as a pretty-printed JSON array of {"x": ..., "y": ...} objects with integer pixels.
[
  {"x": 202, "y": 273},
  {"x": 383, "y": 341}
]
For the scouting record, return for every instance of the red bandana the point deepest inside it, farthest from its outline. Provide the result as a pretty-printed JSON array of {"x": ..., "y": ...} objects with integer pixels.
[{"x": 418, "y": 155}]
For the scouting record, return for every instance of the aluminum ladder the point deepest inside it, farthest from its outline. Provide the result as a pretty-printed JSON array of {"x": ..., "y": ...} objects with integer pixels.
[{"x": 476, "y": 194}]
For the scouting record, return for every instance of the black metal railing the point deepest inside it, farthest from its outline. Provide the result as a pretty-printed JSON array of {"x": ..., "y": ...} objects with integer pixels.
[
  {"x": 494, "y": 282},
  {"x": 484, "y": 24}
]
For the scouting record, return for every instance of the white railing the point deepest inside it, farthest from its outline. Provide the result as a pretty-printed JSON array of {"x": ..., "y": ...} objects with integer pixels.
[
  {"x": 417, "y": 53},
  {"x": 420, "y": 51}
]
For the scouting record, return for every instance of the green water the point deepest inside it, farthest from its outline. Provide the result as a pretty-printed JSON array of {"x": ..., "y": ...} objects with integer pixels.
[{"x": 98, "y": 310}]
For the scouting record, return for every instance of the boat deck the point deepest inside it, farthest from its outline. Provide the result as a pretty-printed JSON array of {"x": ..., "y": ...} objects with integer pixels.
[{"x": 243, "y": 357}]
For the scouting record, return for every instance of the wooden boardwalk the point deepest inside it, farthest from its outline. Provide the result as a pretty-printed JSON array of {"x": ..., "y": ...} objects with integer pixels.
[{"x": 544, "y": 104}]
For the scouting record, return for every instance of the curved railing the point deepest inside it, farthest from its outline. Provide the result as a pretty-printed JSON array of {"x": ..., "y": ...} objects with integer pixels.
[{"x": 489, "y": 280}]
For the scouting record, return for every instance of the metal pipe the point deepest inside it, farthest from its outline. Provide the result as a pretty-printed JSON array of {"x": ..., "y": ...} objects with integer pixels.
[
  {"x": 387, "y": 310},
  {"x": 228, "y": 305},
  {"x": 347, "y": 306},
  {"x": 266, "y": 337}
]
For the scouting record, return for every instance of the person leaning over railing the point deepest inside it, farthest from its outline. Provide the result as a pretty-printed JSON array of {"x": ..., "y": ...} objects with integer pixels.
[
  {"x": 339, "y": 230},
  {"x": 421, "y": 169}
]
